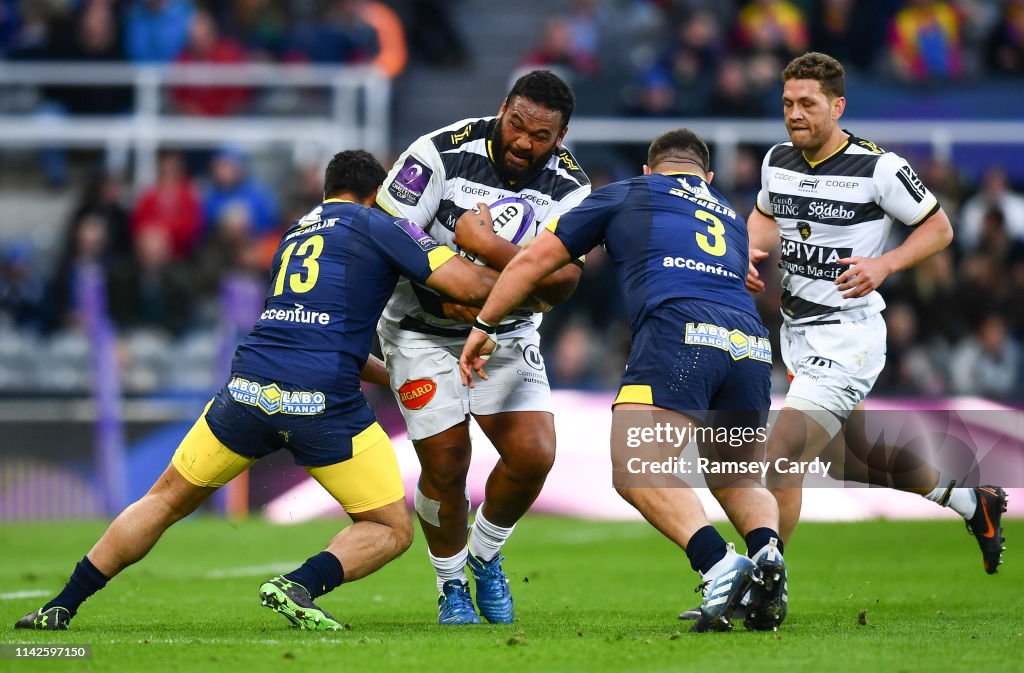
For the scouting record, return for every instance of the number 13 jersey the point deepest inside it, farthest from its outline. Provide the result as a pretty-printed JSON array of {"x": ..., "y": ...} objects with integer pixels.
[{"x": 332, "y": 275}]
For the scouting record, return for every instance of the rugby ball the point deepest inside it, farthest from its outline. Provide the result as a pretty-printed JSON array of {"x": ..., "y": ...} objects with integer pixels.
[{"x": 513, "y": 219}]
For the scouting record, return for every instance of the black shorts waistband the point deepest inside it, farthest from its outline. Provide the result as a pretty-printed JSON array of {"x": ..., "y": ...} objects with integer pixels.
[{"x": 416, "y": 325}]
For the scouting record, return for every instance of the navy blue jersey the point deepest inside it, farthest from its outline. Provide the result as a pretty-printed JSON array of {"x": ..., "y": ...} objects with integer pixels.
[
  {"x": 331, "y": 278},
  {"x": 669, "y": 237}
]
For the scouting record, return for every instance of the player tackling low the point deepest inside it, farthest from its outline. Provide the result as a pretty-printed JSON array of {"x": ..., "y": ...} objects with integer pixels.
[{"x": 295, "y": 385}]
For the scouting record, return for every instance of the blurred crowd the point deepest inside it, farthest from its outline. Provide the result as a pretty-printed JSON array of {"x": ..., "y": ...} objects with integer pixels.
[
  {"x": 954, "y": 323},
  {"x": 229, "y": 32},
  {"x": 168, "y": 250},
  {"x": 721, "y": 57}
]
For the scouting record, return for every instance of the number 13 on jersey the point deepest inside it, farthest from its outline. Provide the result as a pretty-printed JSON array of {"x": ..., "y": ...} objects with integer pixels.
[{"x": 308, "y": 253}]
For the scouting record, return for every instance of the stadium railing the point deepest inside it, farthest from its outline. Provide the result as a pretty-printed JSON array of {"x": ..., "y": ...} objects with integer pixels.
[{"x": 357, "y": 113}]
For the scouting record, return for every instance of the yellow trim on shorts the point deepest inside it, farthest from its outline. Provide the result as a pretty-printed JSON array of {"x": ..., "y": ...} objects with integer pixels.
[
  {"x": 202, "y": 460},
  {"x": 369, "y": 479},
  {"x": 635, "y": 394},
  {"x": 438, "y": 256},
  {"x": 552, "y": 225}
]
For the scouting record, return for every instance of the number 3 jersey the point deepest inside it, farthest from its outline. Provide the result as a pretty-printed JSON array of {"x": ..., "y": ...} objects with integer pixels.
[
  {"x": 842, "y": 206},
  {"x": 669, "y": 237},
  {"x": 331, "y": 278},
  {"x": 442, "y": 175}
]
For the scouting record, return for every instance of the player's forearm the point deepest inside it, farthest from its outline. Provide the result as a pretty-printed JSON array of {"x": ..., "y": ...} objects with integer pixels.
[
  {"x": 498, "y": 252},
  {"x": 558, "y": 286},
  {"x": 762, "y": 230},
  {"x": 928, "y": 238},
  {"x": 374, "y": 371},
  {"x": 517, "y": 282},
  {"x": 476, "y": 293},
  {"x": 550, "y": 291}
]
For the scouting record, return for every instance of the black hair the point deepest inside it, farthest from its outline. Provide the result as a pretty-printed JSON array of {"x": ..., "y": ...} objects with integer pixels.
[
  {"x": 354, "y": 171},
  {"x": 679, "y": 145},
  {"x": 547, "y": 89}
]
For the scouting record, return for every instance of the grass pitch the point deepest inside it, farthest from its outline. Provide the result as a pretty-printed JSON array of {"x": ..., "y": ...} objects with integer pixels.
[{"x": 876, "y": 596}]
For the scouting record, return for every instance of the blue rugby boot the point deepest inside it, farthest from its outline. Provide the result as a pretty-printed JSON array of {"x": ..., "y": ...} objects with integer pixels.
[
  {"x": 769, "y": 600},
  {"x": 455, "y": 604},
  {"x": 493, "y": 596},
  {"x": 723, "y": 588}
]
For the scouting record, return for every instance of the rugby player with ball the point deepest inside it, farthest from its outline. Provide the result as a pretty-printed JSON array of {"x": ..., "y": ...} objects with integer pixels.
[{"x": 515, "y": 162}]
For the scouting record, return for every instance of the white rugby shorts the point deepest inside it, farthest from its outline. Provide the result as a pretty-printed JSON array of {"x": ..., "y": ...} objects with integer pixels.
[
  {"x": 833, "y": 365},
  {"x": 429, "y": 390}
]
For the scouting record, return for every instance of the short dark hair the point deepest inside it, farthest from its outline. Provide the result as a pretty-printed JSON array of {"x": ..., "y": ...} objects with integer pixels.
[
  {"x": 547, "y": 89},
  {"x": 828, "y": 72},
  {"x": 676, "y": 145},
  {"x": 354, "y": 171}
]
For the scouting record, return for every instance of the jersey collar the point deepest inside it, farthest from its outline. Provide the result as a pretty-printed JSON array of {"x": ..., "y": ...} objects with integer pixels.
[
  {"x": 839, "y": 150},
  {"x": 338, "y": 201}
]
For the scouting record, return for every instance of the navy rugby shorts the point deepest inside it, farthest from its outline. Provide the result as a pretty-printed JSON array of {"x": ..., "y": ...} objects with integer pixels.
[
  {"x": 254, "y": 416},
  {"x": 697, "y": 356}
]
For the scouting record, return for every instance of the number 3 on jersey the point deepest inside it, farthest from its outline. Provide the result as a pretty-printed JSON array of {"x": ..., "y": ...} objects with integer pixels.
[
  {"x": 308, "y": 252},
  {"x": 713, "y": 242}
]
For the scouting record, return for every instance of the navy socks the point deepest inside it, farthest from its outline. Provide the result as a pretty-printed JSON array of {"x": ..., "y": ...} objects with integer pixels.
[
  {"x": 319, "y": 574},
  {"x": 85, "y": 581}
]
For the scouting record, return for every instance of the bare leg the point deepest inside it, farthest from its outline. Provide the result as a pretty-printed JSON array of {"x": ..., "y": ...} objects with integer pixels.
[
  {"x": 445, "y": 458},
  {"x": 374, "y": 538},
  {"x": 749, "y": 506},
  {"x": 525, "y": 441},
  {"x": 795, "y": 436},
  {"x": 135, "y": 530},
  {"x": 675, "y": 511},
  {"x": 878, "y": 465}
]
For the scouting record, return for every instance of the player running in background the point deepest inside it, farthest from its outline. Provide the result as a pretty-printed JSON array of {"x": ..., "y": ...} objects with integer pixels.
[
  {"x": 441, "y": 176},
  {"x": 699, "y": 353},
  {"x": 295, "y": 385},
  {"x": 832, "y": 198}
]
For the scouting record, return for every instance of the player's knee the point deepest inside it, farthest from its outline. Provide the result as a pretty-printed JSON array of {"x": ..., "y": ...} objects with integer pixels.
[
  {"x": 445, "y": 468},
  {"x": 393, "y": 526},
  {"x": 531, "y": 465},
  {"x": 783, "y": 444},
  {"x": 170, "y": 506},
  {"x": 531, "y": 458},
  {"x": 447, "y": 483},
  {"x": 401, "y": 534}
]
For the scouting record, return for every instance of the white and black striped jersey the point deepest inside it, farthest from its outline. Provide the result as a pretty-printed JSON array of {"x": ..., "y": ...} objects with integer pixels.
[
  {"x": 842, "y": 206},
  {"x": 442, "y": 175}
]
